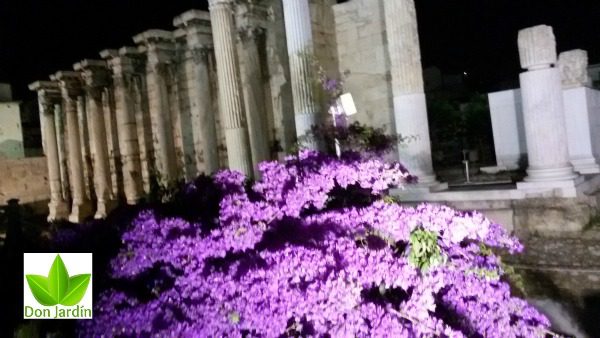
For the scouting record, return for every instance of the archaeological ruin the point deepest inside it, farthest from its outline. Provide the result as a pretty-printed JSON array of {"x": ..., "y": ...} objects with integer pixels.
[{"x": 234, "y": 86}]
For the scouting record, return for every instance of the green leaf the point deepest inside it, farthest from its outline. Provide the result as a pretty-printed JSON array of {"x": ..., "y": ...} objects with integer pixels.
[
  {"x": 77, "y": 286},
  {"x": 58, "y": 279},
  {"x": 39, "y": 288}
]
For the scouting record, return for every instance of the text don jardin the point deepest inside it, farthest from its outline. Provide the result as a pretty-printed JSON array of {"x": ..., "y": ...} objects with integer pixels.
[{"x": 58, "y": 313}]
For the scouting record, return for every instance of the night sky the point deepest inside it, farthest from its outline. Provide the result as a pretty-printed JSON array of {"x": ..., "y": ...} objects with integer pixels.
[{"x": 474, "y": 36}]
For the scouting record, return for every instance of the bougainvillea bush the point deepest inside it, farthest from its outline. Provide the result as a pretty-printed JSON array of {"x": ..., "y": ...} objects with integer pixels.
[{"x": 314, "y": 248}]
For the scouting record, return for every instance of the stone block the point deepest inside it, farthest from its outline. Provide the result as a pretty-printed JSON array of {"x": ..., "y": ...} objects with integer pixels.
[
  {"x": 506, "y": 114},
  {"x": 573, "y": 68}
]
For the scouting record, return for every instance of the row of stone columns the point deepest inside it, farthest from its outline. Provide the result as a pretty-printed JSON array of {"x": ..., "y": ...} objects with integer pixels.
[
  {"x": 131, "y": 116},
  {"x": 147, "y": 112}
]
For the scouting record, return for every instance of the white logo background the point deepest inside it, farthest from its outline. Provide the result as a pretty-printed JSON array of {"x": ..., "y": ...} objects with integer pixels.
[{"x": 40, "y": 263}]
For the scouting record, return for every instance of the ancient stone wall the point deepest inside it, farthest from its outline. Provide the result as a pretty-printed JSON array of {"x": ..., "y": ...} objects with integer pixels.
[{"x": 24, "y": 179}]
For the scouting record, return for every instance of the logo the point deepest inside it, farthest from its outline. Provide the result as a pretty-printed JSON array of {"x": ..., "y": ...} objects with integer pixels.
[{"x": 53, "y": 293}]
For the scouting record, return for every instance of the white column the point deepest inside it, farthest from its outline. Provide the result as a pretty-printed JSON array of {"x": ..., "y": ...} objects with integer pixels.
[
  {"x": 160, "y": 49},
  {"x": 48, "y": 94},
  {"x": 95, "y": 78},
  {"x": 230, "y": 95},
  {"x": 298, "y": 30},
  {"x": 579, "y": 110},
  {"x": 250, "y": 34},
  {"x": 199, "y": 46},
  {"x": 543, "y": 109},
  {"x": 71, "y": 89},
  {"x": 410, "y": 109},
  {"x": 126, "y": 125}
]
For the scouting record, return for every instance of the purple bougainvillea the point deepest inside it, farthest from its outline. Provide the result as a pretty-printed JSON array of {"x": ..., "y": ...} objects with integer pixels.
[{"x": 314, "y": 248}]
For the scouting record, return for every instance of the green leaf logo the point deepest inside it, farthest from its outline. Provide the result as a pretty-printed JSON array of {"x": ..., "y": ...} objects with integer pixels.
[{"x": 58, "y": 287}]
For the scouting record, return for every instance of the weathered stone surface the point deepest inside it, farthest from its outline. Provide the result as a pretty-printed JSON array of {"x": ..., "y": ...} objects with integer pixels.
[
  {"x": 553, "y": 215},
  {"x": 25, "y": 179},
  {"x": 537, "y": 47},
  {"x": 573, "y": 68},
  {"x": 230, "y": 95}
]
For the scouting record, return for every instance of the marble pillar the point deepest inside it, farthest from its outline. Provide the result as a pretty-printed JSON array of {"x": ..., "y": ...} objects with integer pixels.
[
  {"x": 543, "y": 109},
  {"x": 299, "y": 39},
  {"x": 580, "y": 112},
  {"x": 86, "y": 149},
  {"x": 230, "y": 94},
  {"x": 250, "y": 20},
  {"x": 62, "y": 139},
  {"x": 410, "y": 109},
  {"x": 160, "y": 49},
  {"x": 48, "y": 95},
  {"x": 70, "y": 85},
  {"x": 112, "y": 137},
  {"x": 198, "y": 33},
  {"x": 122, "y": 70},
  {"x": 95, "y": 80}
]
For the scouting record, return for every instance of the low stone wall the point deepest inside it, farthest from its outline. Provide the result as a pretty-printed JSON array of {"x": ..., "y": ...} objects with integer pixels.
[{"x": 25, "y": 179}]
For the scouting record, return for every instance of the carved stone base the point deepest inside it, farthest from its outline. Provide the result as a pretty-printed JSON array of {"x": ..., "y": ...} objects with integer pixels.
[
  {"x": 104, "y": 208},
  {"x": 58, "y": 210},
  {"x": 79, "y": 212}
]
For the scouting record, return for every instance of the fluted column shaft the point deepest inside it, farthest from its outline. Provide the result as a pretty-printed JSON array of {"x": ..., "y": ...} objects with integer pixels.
[
  {"x": 71, "y": 91},
  {"x": 58, "y": 208},
  {"x": 203, "y": 119},
  {"x": 230, "y": 95},
  {"x": 543, "y": 101},
  {"x": 128, "y": 140},
  {"x": 410, "y": 109},
  {"x": 543, "y": 107},
  {"x": 254, "y": 95},
  {"x": 298, "y": 30},
  {"x": 74, "y": 151},
  {"x": 100, "y": 162},
  {"x": 160, "y": 115}
]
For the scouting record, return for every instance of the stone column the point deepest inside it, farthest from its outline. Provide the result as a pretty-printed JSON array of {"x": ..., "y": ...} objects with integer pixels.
[
  {"x": 410, "y": 109},
  {"x": 580, "y": 111},
  {"x": 230, "y": 95},
  {"x": 543, "y": 110},
  {"x": 298, "y": 30},
  {"x": 122, "y": 70},
  {"x": 160, "y": 51},
  {"x": 95, "y": 77},
  {"x": 62, "y": 138},
  {"x": 251, "y": 32},
  {"x": 48, "y": 95},
  {"x": 70, "y": 85},
  {"x": 199, "y": 46},
  {"x": 84, "y": 139}
]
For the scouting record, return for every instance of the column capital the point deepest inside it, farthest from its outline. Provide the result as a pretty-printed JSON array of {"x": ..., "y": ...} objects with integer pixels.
[
  {"x": 200, "y": 53},
  {"x": 69, "y": 82},
  {"x": 250, "y": 33},
  {"x": 159, "y": 46},
  {"x": 193, "y": 18},
  {"x": 48, "y": 92},
  {"x": 197, "y": 27},
  {"x": 251, "y": 19},
  {"x": 537, "y": 47},
  {"x": 215, "y": 4},
  {"x": 95, "y": 77}
]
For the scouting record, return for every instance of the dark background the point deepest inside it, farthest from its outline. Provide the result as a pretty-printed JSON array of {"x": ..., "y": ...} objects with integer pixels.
[{"x": 474, "y": 36}]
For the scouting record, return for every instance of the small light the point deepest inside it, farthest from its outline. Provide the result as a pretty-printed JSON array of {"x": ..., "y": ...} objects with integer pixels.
[{"x": 465, "y": 73}]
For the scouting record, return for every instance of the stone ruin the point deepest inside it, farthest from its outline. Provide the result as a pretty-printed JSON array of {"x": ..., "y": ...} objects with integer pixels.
[
  {"x": 234, "y": 86},
  {"x": 230, "y": 87}
]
